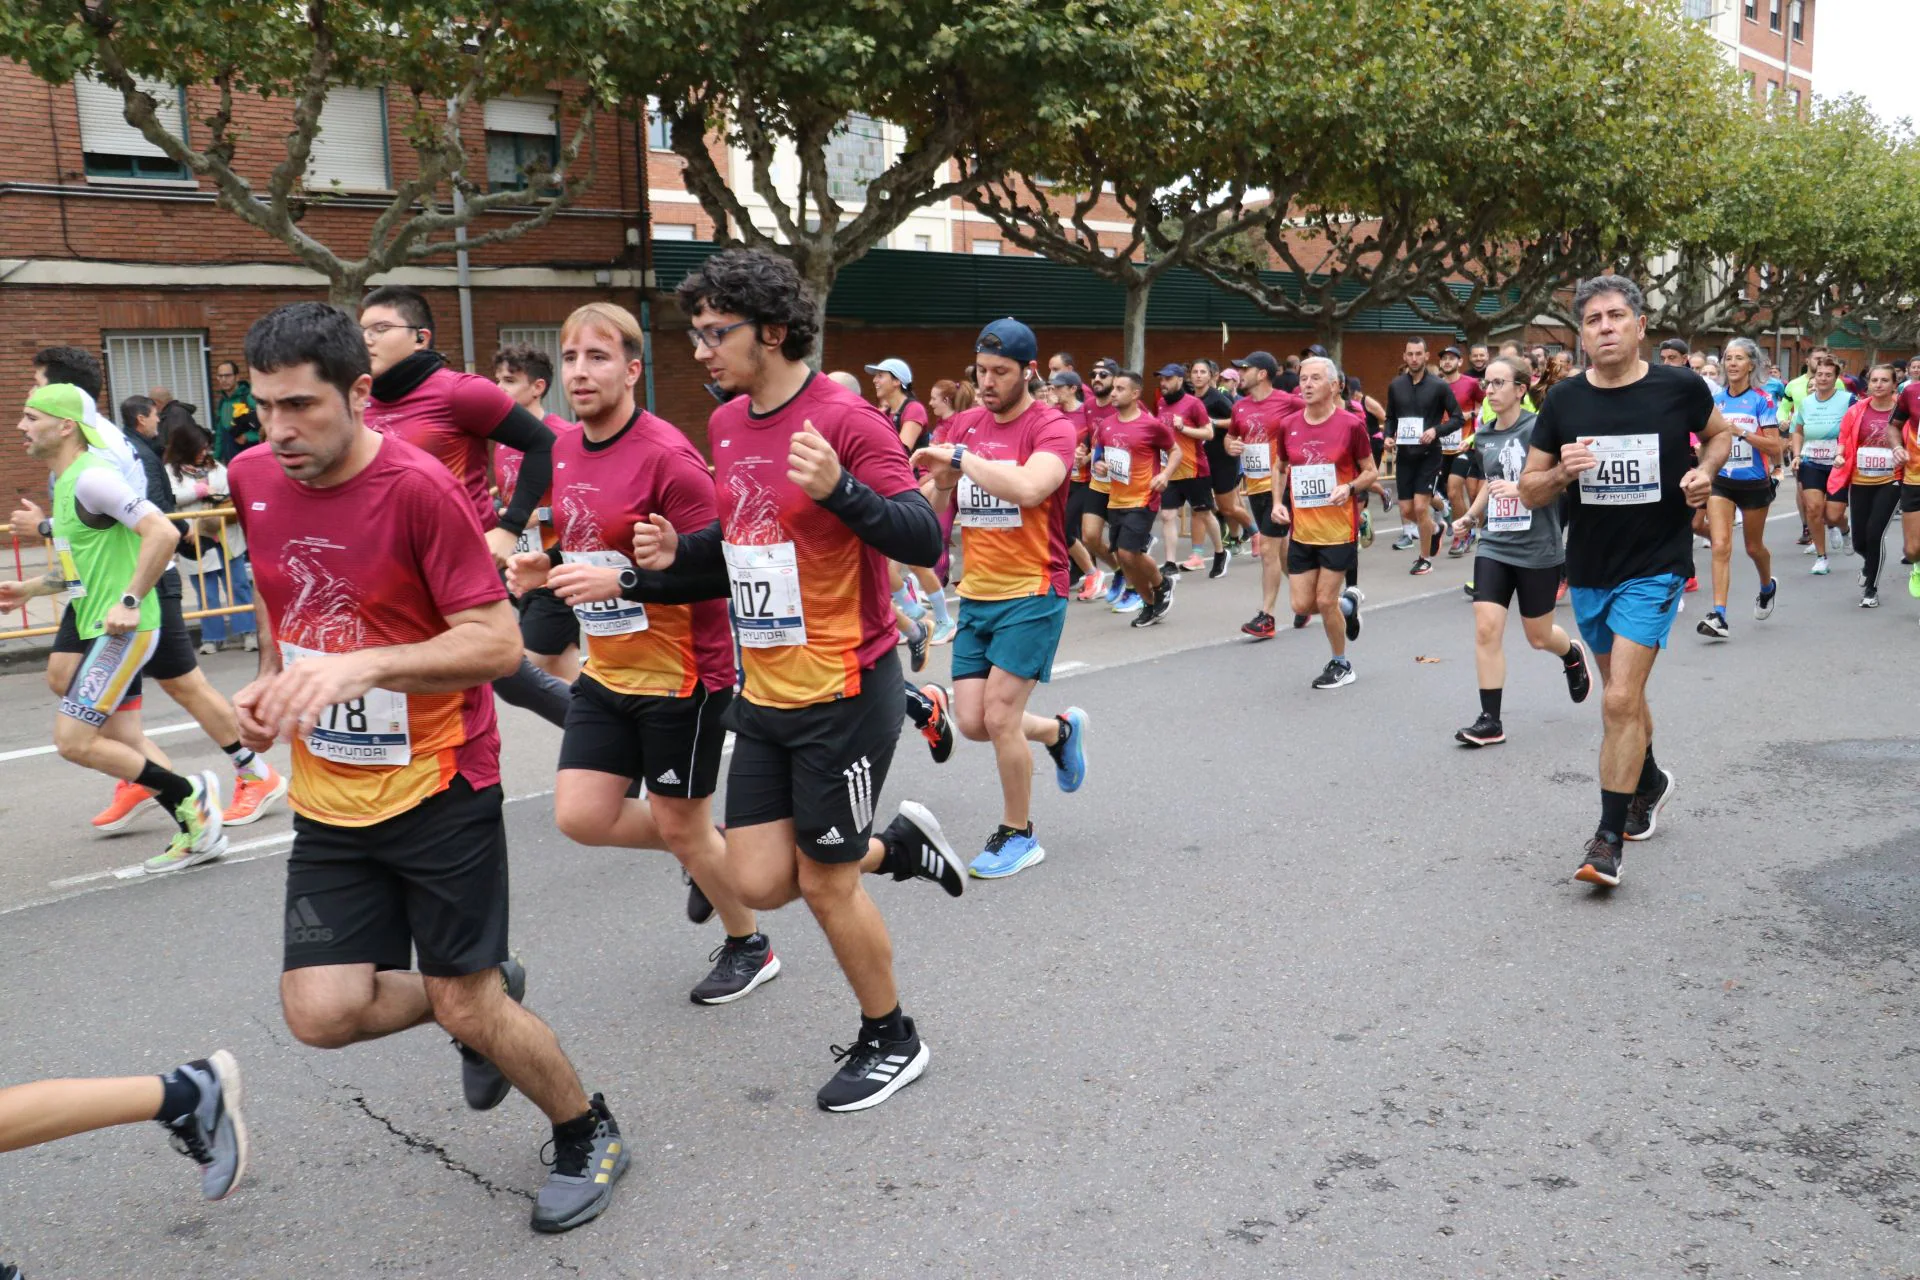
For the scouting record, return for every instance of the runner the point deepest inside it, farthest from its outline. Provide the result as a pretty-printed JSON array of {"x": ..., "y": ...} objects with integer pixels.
[
  {"x": 1191, "y": 486},
  {"x": 659, "y": 673},
  {"x": 1866, "y": 469},
  {"x": 1477, "y": 360},
  {"x": 382, "y": 618},
  {"x": 110, "y": 546},
  {"x": 548, "y": 630},
  {"x": 1744, "y": 485},
  {"x": 1006, "y": 470},
  {"x": 1322, "y": 460},
  {"x": 1816, "y": 442},
  {"x": 893, "y": 390},
  {"x": 1420, "y": 410},
  {"x": 1253, "y": 439},
  {"x": 1621, "y": 437},
  {"x": 1133, "y": 443},
  {"x": 1093, "y": 522},
  {"x": 1461, "y": 460},
  {"x": 815, "y": 498},
  {"x": 1908, "y": 455},
  {"x": 1520, "y": 554},
  {"x": 1674, "y": 353},
  {"x": 452, "y": 416},
  {"x": 1063, "y": 393},
  {"x": 1222, "y": 466}
]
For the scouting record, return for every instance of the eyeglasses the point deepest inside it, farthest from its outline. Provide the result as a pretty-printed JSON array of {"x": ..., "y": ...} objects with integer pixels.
[
  {"x": 1490, "y": 383},
  {"x": 382, "y": 330},
  {"x": 712, "y": 337}
]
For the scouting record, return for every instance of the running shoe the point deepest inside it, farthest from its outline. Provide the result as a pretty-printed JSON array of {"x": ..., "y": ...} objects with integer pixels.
[
  {"x": 199, "y": 839},
  {"x": 1366, "y": 528},
  {"x": 251, "y": 796},
  {"x": 1807, "y": 548},
  {"x": 871, "y": 1071},
  {"x": 1404, "y": 541},
  {"x": 1693, "y": 584},
  {"x": 1092, "y": 585},
  {"x": 1466, "y": 589},
  {"x": 584, "y": 1171},
  {"x": 1300, "y": 621},
  {"x": 1350, "y": 606},
  {"x": 1070, "y": 753},
  {"x": 1871, "y": 600},
  {"x": 1127, "y": 603},
  {"x": 1714, "y": 625},
  {"x": 214, "y": 1133},
  {"x": 1338, "y": 672},
  {"x": 1600, "y": 864},
  {"x": 1913, "y": 581},
  {"x": 1806, "y": 536},
  {"x": 699, "y": 910},
  {"x": 1763, "y": 603},
  {"x": 1221, "y": 559},
  {"x": 943, "y": 632},
  {"x": 918, "y": 850},
  {"x": 917, "y": 641},
  {"x": 484, "y": 1084},
  {"x": 1821, "y": 569},
  {"x": 1116, "y": 587},
  {"x": 1484, "y": 732},
  {"x": 1579, "y": 676},
  {"x": 938, "y": 731},
  {"x": 1643, "y": 811},
  {"x": 129, "y": 798},
  {"x": 739, "y": 967},
  {"x": 1260, "y": 628},
  {"x": 1846, "y": 542},
  {"x": 1421, "y": 567},
  {"x": 1193, "y": 563},
  {"x": 1458, "y": 547},
  {"x": 1009, "y": 851}
]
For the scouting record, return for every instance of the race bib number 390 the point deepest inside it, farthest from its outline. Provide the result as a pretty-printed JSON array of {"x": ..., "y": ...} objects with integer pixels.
[
  {"x": 766, "y": 595},
  {"x": 1313, "y": 484},
  {"x": 367, "y": 731},
  {"x": 1628, "y": 474}
]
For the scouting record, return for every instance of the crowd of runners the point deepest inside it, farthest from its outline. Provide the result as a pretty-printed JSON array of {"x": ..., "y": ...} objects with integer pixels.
[{"x": 424, "y": 538}]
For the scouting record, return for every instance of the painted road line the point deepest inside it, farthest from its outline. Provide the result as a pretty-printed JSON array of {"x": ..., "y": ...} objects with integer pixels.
[{"x": 158, "y": 731}]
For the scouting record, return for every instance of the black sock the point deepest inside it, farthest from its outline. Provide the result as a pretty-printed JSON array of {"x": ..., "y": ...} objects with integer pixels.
[
  {"x": 743, "y": 939},
  {"x": 1490, "y": 702},
  {"x": 1066, "y": 732},
  {"x": 1613, "y": 812},
  {"x": 1572, "y": 657},
  {"x": 170, "y": 787},
  {"x": 919, "y": 708},
  {"x": 1649, "y": 774},
  {"x": 578, "y": 1129},
  {"x": 887, "y": 1027},
  {"x": 178, "y": 1094}
]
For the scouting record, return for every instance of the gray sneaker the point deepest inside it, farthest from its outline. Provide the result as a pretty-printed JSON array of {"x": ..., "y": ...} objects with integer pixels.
[
  {"x": 486, "y": 1088},
  {"x": 581, "y": 1184},
  {"x": 214, "y": 1133}
]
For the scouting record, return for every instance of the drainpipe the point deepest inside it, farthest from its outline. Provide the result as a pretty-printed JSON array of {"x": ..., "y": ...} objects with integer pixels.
[
  {"x": 465, "y": 278},
  {"x": 646, "y": 255}
]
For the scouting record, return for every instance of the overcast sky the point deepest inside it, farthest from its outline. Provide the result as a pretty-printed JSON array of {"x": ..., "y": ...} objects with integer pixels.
[{"x": 1866, "y": 47}]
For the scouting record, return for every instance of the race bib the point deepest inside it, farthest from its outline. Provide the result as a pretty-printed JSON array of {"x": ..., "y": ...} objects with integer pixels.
[
  {"x": 1454, "y": 441},
  {"x": 1409, "y": 430},
  {"x": 1508, "y": 515},
  {"x": 1257, "y": 462},
  {"x": 1313, "y": 485},
  {"x": 68, "y": 569},
  {"x": 979, "y": 509},
  {"x": 1871, "y": 464},
  {"x": 766, "y": 595},
  {"x": 1119, "y": 465},
  {"x": 1628, "y": 474},
  {"x": 367, "y": 731},
  {"x": 1739, "y": 457},
  {"x": 529, "y": 539},
  {"x": 615, "y": 617},
  {"x": 1821, "y": 453}
]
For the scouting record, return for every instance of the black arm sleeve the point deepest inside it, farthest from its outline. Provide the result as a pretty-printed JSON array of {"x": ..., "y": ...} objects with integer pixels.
[
  {"x": 532, "y": 437},
  {"x": 700, "y": 553},
  {"x": 676, "y": 586},
  {"x": 902, "y": 527}
]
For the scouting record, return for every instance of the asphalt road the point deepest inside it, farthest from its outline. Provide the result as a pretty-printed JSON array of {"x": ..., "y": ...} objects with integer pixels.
[{"x": 1302, "y": 988}]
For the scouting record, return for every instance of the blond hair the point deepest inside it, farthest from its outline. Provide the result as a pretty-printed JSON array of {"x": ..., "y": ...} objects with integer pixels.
[{"x": 612, "y": 317}]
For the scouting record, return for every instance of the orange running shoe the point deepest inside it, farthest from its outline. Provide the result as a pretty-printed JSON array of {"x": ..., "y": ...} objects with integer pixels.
[
  {"x": 128, "y": 799},
  {"x": 939, "y": 730},
  {"x": 1092, "y": 585},
  {"x": 251, "y": 796}
]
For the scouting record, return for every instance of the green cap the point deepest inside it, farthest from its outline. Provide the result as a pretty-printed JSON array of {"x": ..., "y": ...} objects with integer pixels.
[{"x": 64, "y": 400}]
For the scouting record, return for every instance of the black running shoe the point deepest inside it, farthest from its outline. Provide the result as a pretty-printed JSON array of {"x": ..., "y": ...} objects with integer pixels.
[
  {"x": 1713, "y": 626},
  {"x": 917, "y": 646},
  {"x": 699, "y": 910},
  {"x": 1338, "y": 672},
  {"x": 918, "y": 850},
  {"x": 1600, "y": 863},
  {"x": 1170, "y": 570},
  {"x": 483, "y": 1083},
  {"x": 1579, "y": 677},
  {"x": 871, "y": 1071},
  {"x": 9, "y": 1272},
  {"x": 1421, "y": 567},
  {"x": 738, "y": 968},
  {"x": 938, "y": 730},
  {"x": 1484, "y": 732},
  {"x": 1220, "y": 559},
  {"x": 1300, "y": 620},
  {"x": 1350, "y": 605},
  {"x": 580, "y": 1186},
  {"x": 1643, "y": 811}
]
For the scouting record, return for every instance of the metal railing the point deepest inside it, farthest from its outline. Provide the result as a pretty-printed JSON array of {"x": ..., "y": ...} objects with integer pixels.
[{"x": 23, "y": 556}]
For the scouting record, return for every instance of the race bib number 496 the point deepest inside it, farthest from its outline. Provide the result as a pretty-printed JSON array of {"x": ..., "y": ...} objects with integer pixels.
[{"x": 1628, "y": 474}]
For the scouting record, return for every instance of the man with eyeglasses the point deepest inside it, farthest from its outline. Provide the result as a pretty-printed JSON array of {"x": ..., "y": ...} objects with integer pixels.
[
  {"x": 236, "y": 420},
  {"x": 452, "y": 416}
]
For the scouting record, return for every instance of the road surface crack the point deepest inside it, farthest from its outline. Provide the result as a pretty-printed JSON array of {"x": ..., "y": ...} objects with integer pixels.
[{"x": 438, "y": 1152}]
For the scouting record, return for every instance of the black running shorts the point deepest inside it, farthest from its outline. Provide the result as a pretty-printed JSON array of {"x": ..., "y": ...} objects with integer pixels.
[
  {"x": 1305, "y": 557},
  {"x": 1194, "y": 491},
  {"x": 1746, "y": 495},
  {"x": 1497, "y": 582},
  {"x": 1261, "y": 504},
  {"x": 1417, "y": 470},
  {"x": 1078, "y": 495},
  {"x": 673, "y": 744},
  {"x": 1909, "y": 499},
  {"x": 1130, "y": 529},
  {"x": 547, "y": 625}
]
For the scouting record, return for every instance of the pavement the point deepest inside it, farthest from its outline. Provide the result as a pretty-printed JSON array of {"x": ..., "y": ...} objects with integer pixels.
[{"x": 1302, "y": 987}]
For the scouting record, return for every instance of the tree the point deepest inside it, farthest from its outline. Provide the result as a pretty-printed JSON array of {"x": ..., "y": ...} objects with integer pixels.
[{"x": 443, "y": 54}]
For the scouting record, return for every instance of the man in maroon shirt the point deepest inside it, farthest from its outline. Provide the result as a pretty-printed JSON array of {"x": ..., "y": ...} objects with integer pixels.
[
  {"x": 1462, "y": 460},
  {"x": 548, "y": 630}
]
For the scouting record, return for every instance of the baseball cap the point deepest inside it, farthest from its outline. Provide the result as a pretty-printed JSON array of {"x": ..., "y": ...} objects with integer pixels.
[
  {"x": 1106, "y": 364},
  {"x": 1065, "y": 378},
  {"x": 895, "y": 366},
  {"x": 1258, "y": 360},
  {"x": 1453, "y": 351},
  {"x": 1009, "y": 338},
  {"x": 1315, "y": 349},
  {"x": 1172, "y": 370},
  {"x": 64, "y": 400}
]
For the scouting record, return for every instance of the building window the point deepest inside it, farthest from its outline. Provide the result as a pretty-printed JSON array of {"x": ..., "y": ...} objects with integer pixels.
[
  {"x": 1773, "y": 14},
  {"x": 521, "y": 133},
  {"x": 1753, "y": 10},
  {"x": 856, "y": 155},
  {"x": 350, "y": 151},
  {"x": 1748, "y": 82},
  {"x": 923, "y": 244},
  {"x": 1793, "y": 100},
  {"x": 112, "y": 148},
  {"x": 673, "y": 231},
  {"x": 1773, "y": 90},
  {"x": 1799, "y": 18},
  {"x": 541, "y": 337},
  {"x": 986, "y": 248},
  {"x": 659, "y": 128},
  {"x": 139, "y": 362},
  {"x": 1700, "y": 10}
]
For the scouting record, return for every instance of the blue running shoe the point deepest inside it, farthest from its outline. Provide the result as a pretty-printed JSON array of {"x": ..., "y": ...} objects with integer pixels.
[
  {"x": 1128, "y": 603},
  {"x": 1070, "y": 753},
  {"x": 1116, "y": 588},
  {"x": 1008, "y": 852}
]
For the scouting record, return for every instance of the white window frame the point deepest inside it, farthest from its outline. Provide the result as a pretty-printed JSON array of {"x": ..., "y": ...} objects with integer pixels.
[
  {"x": 657, "y": 120},
  {"x": 922, "y": 242},
  {"x": 675, "y": 231},
  {"x": 100, "y": 110},
  {"x": 984, "y": 248},
  {"x": 139, "y": 360},
  {"x": 342, "y": 157},
  {"x": 547, "y": 338}
]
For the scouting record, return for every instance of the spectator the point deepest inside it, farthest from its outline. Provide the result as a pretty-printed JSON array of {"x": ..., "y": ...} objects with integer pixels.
[
  {"x": 199, "y": 483},
  {"x": 160, "y": 396},
  {"x": 236, "y": 419}
]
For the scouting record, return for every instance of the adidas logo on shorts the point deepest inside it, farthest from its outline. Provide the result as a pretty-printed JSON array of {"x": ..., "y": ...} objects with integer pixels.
[
  {"x": 669, "y": 779},
  {"x": 303, "y": 924},
  {"x": 832, "y": 837}
]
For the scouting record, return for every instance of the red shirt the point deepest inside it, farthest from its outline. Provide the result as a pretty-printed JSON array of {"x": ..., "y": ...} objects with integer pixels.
[
  {"x": 506, "y": 473},
  {"x": 1096, "y": 413},
  {"x": 820, "y": 610},
  {"x": 379, "y": 561},
  {"x": 911, "y": 411},
  {"x": 1013, "y": 552},
  {"x": 450, "y": 415},
  {"x": 1257, "y": 422},
  {"x": 1467, "y": 391},
  {"x": 1082, "y": 423},
  {"x": 600, "y": 492},
  {"x": 1135, "y": 446},
  {"x": 1320, "y": 457},
  {"x": 1187, "y": 411}
]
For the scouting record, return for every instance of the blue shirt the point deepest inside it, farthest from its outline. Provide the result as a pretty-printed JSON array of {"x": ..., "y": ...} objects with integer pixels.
[{"x": 1747, "y": 412}]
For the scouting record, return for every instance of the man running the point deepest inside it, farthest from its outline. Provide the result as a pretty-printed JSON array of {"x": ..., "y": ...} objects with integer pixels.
[
  {"x": 1191, "y": 486},
  {"x": 382, "y": 618},
  {"x": 1253, "y": 440},
  {"x": 893, "y": 391},
  {"x": 1674, "y": 353},
  {"x": 1006, "y": 472},
  {"x": 1460, "y": 460},
  {"x": 1620, "y": 436},
  {"x": 1323, "y": 459},
  {"x": 548, "y": 630},
  {"x": 815, "y": 497},
  {"x": 1062, "y": 391},
  {"x": 1093, "y": 523},
  {"x": 451, "y": 416},
  {"x": 110, "y": 546},
  {"x": 1138, "y": 455},
  {"x": 1223, "y": 466},
  {"x": 659, "y": 673},
  {"x": 1420, "y": 410}
]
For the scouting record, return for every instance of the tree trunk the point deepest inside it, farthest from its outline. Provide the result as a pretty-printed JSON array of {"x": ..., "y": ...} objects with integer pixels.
[
  {"x": 1336, "y": 345},
  {"x": 1478, "y": 333},
  {"x": 817, "y": 270},
  {"x": 344, "y": 293},
  {"x": 1133, "y": 342}
]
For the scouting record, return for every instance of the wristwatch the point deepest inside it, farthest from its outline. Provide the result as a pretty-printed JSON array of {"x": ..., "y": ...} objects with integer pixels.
[
  {"x": 959, "y": 452},
  {"x": 130, "y": 601},
  {"x": 629, "y": 579},
  {"x": 46, "y": 528}
]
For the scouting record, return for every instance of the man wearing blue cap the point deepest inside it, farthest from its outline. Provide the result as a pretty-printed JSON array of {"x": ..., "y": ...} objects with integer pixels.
[{"x": 1005, "y": 468}]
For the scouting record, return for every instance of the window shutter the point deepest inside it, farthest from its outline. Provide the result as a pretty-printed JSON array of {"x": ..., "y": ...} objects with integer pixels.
[
  {"x": 103, "y": 119},
  {"x": 537, "y": 115},
  {"x": 351, "y": 147}
]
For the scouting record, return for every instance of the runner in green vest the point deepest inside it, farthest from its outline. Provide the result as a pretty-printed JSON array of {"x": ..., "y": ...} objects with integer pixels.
[{"x": 110, "y": 546}]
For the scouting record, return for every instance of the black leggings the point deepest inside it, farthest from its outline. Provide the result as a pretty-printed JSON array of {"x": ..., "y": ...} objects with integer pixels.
[{"x": 1873, "y": 508}]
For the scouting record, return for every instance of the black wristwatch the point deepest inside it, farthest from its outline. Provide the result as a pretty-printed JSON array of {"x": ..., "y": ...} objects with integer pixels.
[
  {"x": 629, "y": 579},
  {"x": 46, "y": 528},
  {"x": 130, "y": 601}
]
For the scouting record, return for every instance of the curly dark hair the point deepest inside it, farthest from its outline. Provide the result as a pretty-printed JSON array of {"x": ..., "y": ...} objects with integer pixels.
[{"x": 757, "y": 286}]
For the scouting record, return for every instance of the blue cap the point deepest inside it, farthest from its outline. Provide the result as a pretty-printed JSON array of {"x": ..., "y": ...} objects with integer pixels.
[
  {"x": 1009, "y": 338},
  {"x": 1172, "y": 370}
]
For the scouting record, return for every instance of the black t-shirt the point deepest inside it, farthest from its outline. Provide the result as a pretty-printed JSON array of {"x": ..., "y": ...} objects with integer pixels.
[
  {"x": 1219, "y": 406},
  {"x": 1431, "y": 400},
  {"x": 1626, "y": 521}
]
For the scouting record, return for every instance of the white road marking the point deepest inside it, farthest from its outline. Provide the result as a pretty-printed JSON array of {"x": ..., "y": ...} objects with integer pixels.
[{"x": 158, "y": 731}]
